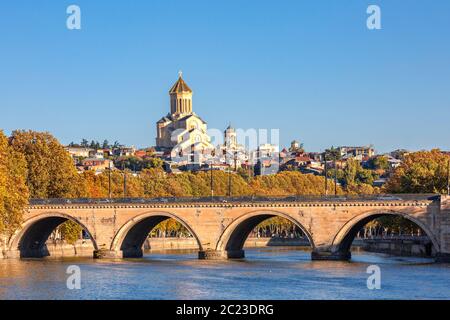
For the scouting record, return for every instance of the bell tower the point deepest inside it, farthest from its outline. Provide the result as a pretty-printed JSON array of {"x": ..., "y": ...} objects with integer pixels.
[{"x": 180, "y": 97}]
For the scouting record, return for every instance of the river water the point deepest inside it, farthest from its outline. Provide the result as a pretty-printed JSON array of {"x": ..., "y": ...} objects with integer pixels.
[{"x": 266, "y": 273}]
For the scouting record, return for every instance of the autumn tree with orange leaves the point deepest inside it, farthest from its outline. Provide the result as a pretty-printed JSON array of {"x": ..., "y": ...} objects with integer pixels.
[{"x": 421, "y": 172}]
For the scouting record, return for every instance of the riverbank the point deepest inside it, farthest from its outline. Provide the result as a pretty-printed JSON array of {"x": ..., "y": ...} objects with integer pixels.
[
  {"x": 420, "y": 247},
  {"x": 155, "y": 244},
  {"x": 84, "y": 248},
  {"x": 406, "y": 247}
]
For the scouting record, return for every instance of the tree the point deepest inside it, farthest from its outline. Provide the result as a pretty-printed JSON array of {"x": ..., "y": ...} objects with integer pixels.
[
  {"x": 105, "y": 144},
  {"x": 70, "y": 231},
  {"x": 138, "y": 164},
  {"x": 351, "y": 171},
  {"x": 154, "y": 183},
  {"x": 420, "y": 172},
  {"x": 170, "y": 228},
  {"x": 288, "y": 183},
  {"x": 97, "y": 186},
  {"x": 74, "y": 145},
  {"x": 94, "y": 145},
  {"x": 84, "y": 143},
  {"x": 381, "y": 163},
  {"x": 333, "y": 154},
  {"x": 13, "y": 189},
  {"x": 51, "y": 172}
]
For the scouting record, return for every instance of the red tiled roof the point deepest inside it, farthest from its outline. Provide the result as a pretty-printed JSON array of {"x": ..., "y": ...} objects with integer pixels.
[{"x": 302, "y": 159}]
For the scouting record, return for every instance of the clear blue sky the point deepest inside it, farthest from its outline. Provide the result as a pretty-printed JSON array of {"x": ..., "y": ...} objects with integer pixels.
[{"x": 310, "y": 68}]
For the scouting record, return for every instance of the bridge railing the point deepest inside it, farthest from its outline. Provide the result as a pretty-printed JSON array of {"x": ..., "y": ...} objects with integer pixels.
[{"x": 252, "y": 199}]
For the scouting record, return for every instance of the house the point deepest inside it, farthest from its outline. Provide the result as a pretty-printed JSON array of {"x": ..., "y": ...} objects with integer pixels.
[
  {"x": 79, "y": 152},
  {"x": 348, "y": 152},
  {"x": 124, "y": 151},
  {"x": 315, "y": 156},
  {"x": 267, "y": 150},
  {"x": 97, "y": 154},
  {"x": 266, "y": 167},
  {"x": 393, "y": 162},
  {"x": 96, "y": 164},
  {"x": 141, "y": 153}
]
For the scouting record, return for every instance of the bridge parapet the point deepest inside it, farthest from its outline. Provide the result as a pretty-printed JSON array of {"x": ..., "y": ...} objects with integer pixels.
[{"x": 344, "y": 199}]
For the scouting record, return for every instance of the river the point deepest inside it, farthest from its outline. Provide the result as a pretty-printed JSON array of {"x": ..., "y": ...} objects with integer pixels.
[{"x": 266, "y": 273}]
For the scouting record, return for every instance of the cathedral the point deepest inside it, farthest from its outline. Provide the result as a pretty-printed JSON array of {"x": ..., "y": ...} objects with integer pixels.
[{"x": 181, "y": 132}]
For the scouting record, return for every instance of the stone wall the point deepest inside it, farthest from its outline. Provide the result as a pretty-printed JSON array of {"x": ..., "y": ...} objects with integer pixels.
[
  {"x": 82, "y": 248},
  {"x": 170, "y": 244},
  {"x": 416, "y": 248},
  {"x": 190, "y": 243},
  {"x": 274, "y": 242}
]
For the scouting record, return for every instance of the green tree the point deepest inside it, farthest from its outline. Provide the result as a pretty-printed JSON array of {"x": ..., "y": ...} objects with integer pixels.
[
  {"x": 381, "y": 163},
  {"x": 70, "y": 231},
  {"x": 94, "y": 145},
  {"x": 84, "y": 143},
  {"x": 105, "y": 144},
  {"x": 137, "y": 164},
  {"x": 333, "y": 154},
  {"x": 351, "y": 171}
]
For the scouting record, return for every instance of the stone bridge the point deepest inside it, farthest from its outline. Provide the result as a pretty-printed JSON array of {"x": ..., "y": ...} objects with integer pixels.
[{"x": 119, "y": 227}]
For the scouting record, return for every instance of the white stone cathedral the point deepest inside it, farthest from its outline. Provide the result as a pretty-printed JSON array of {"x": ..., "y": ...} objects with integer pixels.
[{"x": 181, "y": 131}]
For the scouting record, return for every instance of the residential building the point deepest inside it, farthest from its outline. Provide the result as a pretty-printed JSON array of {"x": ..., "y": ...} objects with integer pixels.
[
  {"x": 358, "y": 153},
  {"x": 79, "y": 152},
  {"x": 96, "y": 164},
  {"x": 124, "y": 151}
]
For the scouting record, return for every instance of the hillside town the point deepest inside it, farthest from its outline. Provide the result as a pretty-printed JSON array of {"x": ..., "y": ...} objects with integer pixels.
[{"x": 183, "y": 144}]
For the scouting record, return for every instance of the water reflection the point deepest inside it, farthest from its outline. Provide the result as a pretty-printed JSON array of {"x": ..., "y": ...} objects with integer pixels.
[{"x": 266, "y": 273}]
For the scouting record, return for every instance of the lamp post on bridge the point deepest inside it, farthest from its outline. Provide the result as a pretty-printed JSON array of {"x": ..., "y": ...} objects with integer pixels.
[
  {"x": 335, "y": 177},
  {"x": 109, "y": 179},
  {"x": 326, "y": 172},
  {"x": 124, "y": 181},
  {"x": 211, "y": 182},
  {"x": 335, "y": 156},
  {"x": 229, "y": 180},
  {"x": 448, "y": 177}
]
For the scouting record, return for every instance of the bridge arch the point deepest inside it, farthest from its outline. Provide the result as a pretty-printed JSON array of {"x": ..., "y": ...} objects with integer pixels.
[
  {"x": 232, "y": 240},
  {"x": 345, "y": 236},
  {"x": 29, "y": 240},
  {"x": 131, "y": 236}
]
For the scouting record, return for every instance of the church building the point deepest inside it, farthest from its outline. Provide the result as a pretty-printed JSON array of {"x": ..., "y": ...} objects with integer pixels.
[{"x": 181, "y": 131}]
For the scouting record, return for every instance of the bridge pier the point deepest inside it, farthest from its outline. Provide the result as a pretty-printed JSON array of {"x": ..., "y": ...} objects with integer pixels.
[
  {"x": 11, "y": 254},
  {"x": 221, "y": 255},
  {"x": 329, "y": 255},
  {"x": 28, "y": 253},
  {"x": 107, "y": 254},
  {"x": 442, "y": 257},
  {"x": 132, "y": 253}
]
